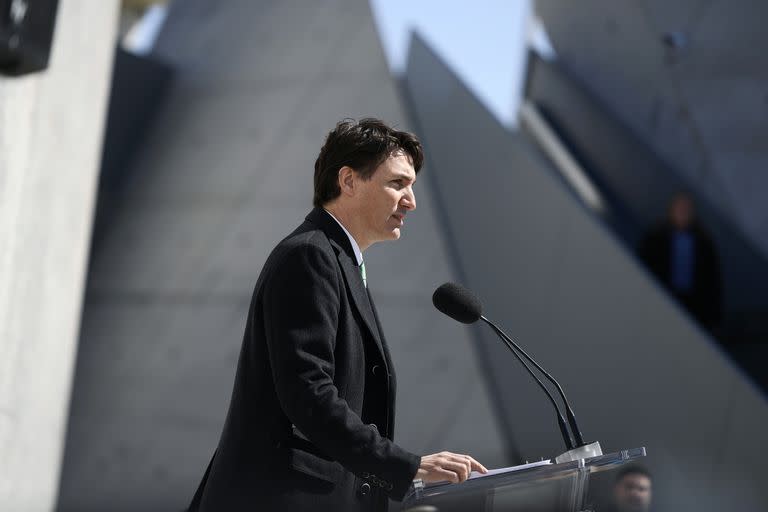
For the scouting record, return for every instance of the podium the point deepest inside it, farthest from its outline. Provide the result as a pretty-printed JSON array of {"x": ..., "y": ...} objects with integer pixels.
[{"x": 530, "y": 488}]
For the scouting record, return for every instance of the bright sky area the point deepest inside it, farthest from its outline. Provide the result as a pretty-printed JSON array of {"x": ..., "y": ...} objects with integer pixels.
[{"x": 483, "y": 42}]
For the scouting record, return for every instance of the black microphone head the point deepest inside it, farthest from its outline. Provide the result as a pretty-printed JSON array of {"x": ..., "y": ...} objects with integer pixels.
[{"x": 458, "y": 303}]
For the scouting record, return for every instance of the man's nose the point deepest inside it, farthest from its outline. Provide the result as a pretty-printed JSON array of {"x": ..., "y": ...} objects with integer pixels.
[{"x": 409, "y": 200}]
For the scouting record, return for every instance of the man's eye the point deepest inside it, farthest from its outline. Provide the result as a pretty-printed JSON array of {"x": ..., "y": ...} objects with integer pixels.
[{"x": 397, "y": 183}]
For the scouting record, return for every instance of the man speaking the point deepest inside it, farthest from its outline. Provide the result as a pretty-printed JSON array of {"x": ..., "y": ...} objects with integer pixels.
[{"x": 311, "y": 419}]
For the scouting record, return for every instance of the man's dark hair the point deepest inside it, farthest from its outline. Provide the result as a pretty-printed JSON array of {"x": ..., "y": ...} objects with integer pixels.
[
  {"x": 362, "y": 145},
  {"x": 633, "y": 469}
]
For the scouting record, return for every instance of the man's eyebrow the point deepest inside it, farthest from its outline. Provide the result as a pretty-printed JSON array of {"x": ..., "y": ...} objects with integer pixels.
[{"x": 403, "y": 176}]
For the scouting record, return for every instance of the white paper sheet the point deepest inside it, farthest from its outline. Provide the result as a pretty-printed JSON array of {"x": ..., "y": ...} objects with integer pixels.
[
  {"x": 500, "y": 471},
  {"x": 510, "y": 469}
]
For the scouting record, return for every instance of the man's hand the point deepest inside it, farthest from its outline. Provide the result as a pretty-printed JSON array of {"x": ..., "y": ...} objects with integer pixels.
[{"x": 447, "y": 466}]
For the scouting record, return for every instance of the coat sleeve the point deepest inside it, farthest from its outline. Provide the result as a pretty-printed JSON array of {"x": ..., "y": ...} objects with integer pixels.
[{"x": 301, "y": 309}]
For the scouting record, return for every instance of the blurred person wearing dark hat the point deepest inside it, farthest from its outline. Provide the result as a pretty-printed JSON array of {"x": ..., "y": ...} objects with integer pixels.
[
  {"x": 312, "y": 415},
  {"x": 682, "y": 255}
]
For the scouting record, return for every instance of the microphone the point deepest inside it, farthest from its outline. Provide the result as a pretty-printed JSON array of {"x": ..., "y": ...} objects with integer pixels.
[
  {"x": 458, "y": 303},
  {"x": 464, "y": 306}
]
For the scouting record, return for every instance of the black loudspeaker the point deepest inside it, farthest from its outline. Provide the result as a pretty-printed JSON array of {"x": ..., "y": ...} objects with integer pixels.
[{"x": 26, "y": 32}]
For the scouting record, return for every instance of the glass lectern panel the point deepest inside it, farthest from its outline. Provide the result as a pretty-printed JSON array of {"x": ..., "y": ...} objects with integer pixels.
[{"x": 531, "y": 488}]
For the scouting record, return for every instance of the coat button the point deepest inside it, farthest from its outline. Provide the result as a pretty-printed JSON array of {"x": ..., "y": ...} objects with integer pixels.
[
  {"x": 374, "y": 427},
  {"x": 376, "y": 370},
  {"x": 365, "y": 489}
]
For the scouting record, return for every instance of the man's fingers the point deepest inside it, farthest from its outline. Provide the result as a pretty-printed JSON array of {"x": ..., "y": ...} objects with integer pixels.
[
  {"x": 459, "y": 467},
  {"x": 472, "y": 464},
  {"x": 449, "y": 466},
  {"x": 476, "y": 466},
  {"x": 448, "y": 475}
]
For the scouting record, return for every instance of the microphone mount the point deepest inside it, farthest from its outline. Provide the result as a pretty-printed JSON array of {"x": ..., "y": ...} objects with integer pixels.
[
  {"x": 464, "y": 306},
  {"x": 569, "y": 412},
  {"x": 577, "y": 450},
  {"x": 511, "y": 346}
]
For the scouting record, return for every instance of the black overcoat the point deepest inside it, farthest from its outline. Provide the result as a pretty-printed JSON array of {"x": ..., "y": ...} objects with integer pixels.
[
  {"x": 704, "y": 301},
  {"x": 311, "y": 418}
]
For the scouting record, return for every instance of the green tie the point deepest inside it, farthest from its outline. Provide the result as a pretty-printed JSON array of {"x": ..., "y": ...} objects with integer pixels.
[{"x": 362, "y": 273}]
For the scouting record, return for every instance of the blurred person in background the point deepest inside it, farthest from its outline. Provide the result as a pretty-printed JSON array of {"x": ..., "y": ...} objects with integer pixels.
[
  {"x": 632, "y": 490},
  {"x": 682, "y": 255},
  {"x": 311, "y": 419}
]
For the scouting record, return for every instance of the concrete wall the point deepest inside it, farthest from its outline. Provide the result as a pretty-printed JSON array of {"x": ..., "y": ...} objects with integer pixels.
[
  {"x": 640, "y": 184},
  {"x": 636, "y": 370},
  {"x": 50, "y": 137},
  {"x": 703, "y": 108}
]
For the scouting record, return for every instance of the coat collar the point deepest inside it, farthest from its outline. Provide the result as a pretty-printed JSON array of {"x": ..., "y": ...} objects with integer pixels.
[
  {"x": 320, "y": 218},
  {"x": 346, "y": 256}
]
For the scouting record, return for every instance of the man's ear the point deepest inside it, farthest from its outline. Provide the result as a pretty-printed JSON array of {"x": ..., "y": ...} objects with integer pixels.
[{"x": 347, "y": 180}]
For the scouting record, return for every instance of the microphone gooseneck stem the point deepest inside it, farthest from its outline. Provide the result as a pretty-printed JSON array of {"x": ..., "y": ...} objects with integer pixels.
[
  {"x": 568, "y": 411},
  {"x": 560, "y": 420}
]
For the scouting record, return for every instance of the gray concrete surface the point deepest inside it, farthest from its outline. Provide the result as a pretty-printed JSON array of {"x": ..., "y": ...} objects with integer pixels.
[
  {"x": 50, "y": 139},
  {"x": 639, "y": 186},
  {"x": 702, "y": 108},
  {"x": 225, "y": 174},
  {"x": 636, "y": 370}
]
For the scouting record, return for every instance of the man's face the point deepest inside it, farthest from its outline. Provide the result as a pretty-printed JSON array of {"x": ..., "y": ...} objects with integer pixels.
[
  {"x": 386, "y": 198},
  {"x": 633, "y": 493},
  {"x": 681, "y": 212}
]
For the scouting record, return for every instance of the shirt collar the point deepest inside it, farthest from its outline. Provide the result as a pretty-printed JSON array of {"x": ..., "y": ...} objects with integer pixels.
[{"x": 355, "y": 247}]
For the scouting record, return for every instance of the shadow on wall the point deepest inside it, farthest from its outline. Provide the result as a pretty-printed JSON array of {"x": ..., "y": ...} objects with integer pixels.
[{"x": 139, "y": 84}]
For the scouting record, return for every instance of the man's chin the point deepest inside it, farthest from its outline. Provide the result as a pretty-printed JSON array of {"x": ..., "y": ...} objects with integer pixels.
[{"x": 393, "y": 234}]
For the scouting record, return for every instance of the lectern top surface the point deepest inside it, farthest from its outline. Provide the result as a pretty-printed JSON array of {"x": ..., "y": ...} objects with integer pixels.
[{"x": 535, "y": 473}]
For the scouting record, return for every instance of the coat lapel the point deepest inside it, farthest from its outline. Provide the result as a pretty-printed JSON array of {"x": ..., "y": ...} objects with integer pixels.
[
  {"x": 346, "y": 257},
  {"x": 390, "y": 371},
  {"x": 387, "y": 357},
  {"x": 360, "y": 297}
]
